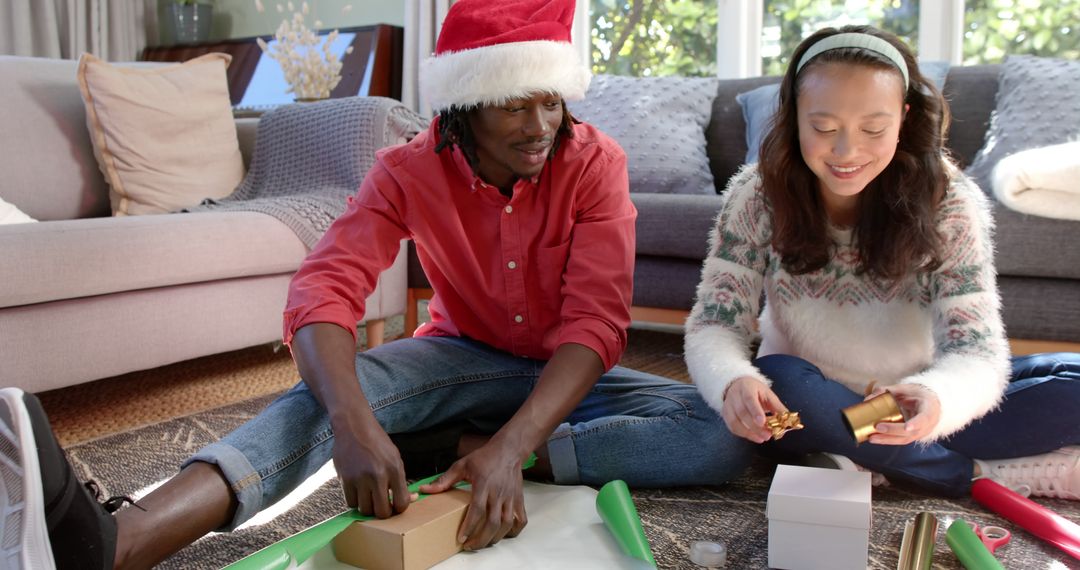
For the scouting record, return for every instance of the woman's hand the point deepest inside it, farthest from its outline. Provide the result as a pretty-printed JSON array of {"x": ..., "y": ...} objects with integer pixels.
[
  {"x": 920, "y": 406},
  {"x": 497, "y": 509},
  {"x": 746, "y": 402}
]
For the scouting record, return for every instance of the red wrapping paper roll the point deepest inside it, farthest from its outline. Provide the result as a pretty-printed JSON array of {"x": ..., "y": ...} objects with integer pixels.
[{"x": 1031, "y": 516}]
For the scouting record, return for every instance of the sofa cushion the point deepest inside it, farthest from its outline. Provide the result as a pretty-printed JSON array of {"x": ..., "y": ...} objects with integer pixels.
[
  {"x": 1035, "y": 246},
  {"x": 48, "y": 165},
  {"x": 660, "y": 124},
  {"x": 1037, "y": 105},
  {"x": 164, "y": 137},
  {"x": 970, "y": 91},
  {"x": 1038, "y": 308},
  {"x": 726, "y": 132},
  {"x": 675, "y": 225},
  {"x": 82, "y": 258}
]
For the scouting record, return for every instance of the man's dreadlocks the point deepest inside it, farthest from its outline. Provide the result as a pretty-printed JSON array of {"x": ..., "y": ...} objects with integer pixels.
[{"x": 454, "y": 129}]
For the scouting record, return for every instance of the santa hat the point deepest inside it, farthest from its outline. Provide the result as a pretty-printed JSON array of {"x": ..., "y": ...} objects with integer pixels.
[{"x": 491, "y": 51}]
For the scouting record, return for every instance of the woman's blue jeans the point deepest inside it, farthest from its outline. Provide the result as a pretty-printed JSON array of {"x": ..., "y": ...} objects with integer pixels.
[
  {"x": 646, "y": 430},
  {"x": 1038, "y": 415}
]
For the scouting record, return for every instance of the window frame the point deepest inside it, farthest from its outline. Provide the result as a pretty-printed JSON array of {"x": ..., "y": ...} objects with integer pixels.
[{"x": 739, "y": 29}]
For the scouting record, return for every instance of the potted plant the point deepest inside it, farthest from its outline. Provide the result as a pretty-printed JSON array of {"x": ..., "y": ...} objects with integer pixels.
[{"x": 188, "y": 21}]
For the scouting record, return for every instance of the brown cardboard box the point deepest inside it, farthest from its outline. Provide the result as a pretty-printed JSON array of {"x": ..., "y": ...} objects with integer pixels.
[{"x": 421, "y": 537}]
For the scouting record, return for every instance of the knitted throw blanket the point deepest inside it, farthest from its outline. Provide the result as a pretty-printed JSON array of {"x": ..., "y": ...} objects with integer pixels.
[{"x": 310, "y": 157}]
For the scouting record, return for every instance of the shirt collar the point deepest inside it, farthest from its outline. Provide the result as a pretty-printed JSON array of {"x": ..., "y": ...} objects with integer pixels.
[{"x": 477, "y": 183}]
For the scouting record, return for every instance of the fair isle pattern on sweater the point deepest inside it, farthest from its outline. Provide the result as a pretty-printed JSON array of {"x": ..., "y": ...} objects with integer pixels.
[{"x": 924, "y": 329}]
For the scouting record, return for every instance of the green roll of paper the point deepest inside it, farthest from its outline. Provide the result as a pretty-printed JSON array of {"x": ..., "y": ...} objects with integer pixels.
[
  {"x": 617, "y": 510},
  {"x": 971, "y": 552}
]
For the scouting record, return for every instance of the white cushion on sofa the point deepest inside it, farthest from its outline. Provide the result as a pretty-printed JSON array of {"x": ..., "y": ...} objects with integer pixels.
[{"x": 9, "y": 214}]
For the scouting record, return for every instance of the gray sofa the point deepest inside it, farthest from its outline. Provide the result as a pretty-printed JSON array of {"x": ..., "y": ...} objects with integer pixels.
[
  {"x": 1038, "y": 258},
  {"x": 84, "y": 295}
]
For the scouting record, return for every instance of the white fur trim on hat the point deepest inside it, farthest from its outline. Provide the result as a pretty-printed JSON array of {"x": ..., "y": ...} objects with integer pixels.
[{"x": 493, "y": 75}]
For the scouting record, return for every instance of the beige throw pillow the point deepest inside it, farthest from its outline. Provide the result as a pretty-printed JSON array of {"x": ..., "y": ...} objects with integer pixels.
[{"x": 164, "y": 137}]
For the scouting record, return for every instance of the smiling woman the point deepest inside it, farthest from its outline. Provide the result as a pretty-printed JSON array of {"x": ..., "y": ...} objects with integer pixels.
[
  {"x": 874, "y": 255},
  {"x": 868, "y": 127}
]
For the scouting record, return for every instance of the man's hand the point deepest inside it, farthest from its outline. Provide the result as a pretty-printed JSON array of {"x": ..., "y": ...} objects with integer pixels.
[
  {"x": 497, "y": 509},
  {"x": 746, "y": 401},
  {"x": 367, "y": 462},
  {"x": 371, "y": 472},
  {"x": 920, "y": 406}
]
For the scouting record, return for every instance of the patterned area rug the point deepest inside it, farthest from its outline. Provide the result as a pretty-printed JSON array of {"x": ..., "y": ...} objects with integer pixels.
[{"x": 132, "y": 461}]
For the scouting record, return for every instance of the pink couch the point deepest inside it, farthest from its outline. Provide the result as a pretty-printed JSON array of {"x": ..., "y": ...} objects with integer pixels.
[{"x": 84, "y": 295}]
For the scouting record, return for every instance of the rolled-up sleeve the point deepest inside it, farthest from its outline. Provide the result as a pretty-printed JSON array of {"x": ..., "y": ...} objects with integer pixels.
[
  {"x": 342, "y": 270},
  {"x": 599, "y": 276}
]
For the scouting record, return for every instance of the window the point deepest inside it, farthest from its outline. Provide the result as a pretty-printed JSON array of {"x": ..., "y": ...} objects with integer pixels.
[
  {"x": 994, "y": 28},
  {"x": 649, "y": 38},
  {"x": 785, "y": 23},
  {"x": 680, "y": 37}
]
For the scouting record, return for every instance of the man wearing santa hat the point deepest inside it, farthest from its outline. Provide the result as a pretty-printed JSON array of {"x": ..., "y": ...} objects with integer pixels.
[{"x": 522, "y": 220}]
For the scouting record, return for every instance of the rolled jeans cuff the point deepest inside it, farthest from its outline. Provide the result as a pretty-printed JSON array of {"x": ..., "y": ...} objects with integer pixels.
[
  {"x": 243, "y": 480},
  {"x": 563, "y": 456}
]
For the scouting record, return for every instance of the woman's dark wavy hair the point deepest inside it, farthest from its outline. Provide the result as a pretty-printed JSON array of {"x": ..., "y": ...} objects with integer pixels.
[
  {"x": 454, "y": 129},
  {"x": 896, "y": 231}
]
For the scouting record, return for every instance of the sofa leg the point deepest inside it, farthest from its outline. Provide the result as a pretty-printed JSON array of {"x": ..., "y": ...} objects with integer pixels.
[
  {"x": 412, "y": 313},
  {"x": 376, "y": 331}
]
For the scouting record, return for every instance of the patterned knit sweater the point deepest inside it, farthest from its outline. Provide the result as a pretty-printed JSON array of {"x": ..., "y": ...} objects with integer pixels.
[{"x": 940, "y": 329}]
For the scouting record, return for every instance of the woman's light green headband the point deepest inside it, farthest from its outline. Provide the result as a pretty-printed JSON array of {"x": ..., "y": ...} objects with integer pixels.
[{"x": 854, "y": 40}]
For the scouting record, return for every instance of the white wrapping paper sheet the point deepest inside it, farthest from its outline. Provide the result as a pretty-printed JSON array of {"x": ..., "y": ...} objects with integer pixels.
[{"x": 564, "y": 532}]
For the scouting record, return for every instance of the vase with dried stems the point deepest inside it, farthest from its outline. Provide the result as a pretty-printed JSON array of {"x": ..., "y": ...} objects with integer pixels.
[{"x": 311, "y": 67}]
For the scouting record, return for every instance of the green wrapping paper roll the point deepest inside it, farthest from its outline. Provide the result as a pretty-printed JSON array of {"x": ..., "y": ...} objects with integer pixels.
[
  {"x": 971, "y": 552},
  {"x": 617, "y": 510}
]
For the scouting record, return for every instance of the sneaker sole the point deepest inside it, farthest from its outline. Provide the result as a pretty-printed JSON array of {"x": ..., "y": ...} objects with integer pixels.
[{"x": 24, "y": 536}]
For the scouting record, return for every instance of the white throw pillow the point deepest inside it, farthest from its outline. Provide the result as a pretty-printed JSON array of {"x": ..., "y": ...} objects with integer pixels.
[{"x": 9, "y": 214}]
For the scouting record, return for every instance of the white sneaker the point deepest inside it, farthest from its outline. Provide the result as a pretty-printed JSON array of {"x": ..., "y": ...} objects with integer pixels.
[
  {"x": 22, "y": 507},
  {"x": 843, "y": 463},
  {"x": 1054, "y": 475}
]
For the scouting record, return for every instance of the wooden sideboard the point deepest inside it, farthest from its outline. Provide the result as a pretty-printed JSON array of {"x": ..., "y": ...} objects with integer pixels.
[{"x": 379, "y": 46}]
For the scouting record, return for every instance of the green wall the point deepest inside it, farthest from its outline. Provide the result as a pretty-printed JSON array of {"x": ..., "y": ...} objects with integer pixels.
[{"x": 240, "y": 18}]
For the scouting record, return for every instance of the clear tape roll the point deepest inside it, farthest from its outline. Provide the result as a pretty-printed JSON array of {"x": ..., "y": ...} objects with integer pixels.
[{"x": 708, "y": 554}]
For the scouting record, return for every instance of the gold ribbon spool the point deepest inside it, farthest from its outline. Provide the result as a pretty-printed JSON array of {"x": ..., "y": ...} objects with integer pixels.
[{"x": 862, "y": 417}]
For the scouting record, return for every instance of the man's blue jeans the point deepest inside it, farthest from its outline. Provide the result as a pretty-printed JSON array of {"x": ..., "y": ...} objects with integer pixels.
[
  {"x": 1038, "y": 415},
  {"x": 646, "y": 430}
]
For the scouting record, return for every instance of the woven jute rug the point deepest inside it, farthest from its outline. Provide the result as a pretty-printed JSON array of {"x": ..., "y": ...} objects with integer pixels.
[{"x": 135, "y": 459}]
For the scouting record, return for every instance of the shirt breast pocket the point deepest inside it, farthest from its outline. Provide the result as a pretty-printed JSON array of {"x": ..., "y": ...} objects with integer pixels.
[{"x": 548, "y": 269}]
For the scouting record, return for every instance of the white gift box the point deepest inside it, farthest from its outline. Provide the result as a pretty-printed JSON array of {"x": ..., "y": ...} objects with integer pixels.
[{"x": 819, "y": 519}]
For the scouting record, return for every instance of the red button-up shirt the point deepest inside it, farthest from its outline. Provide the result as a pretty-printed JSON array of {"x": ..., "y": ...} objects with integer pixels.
[{"x": 551, "y": 265}]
